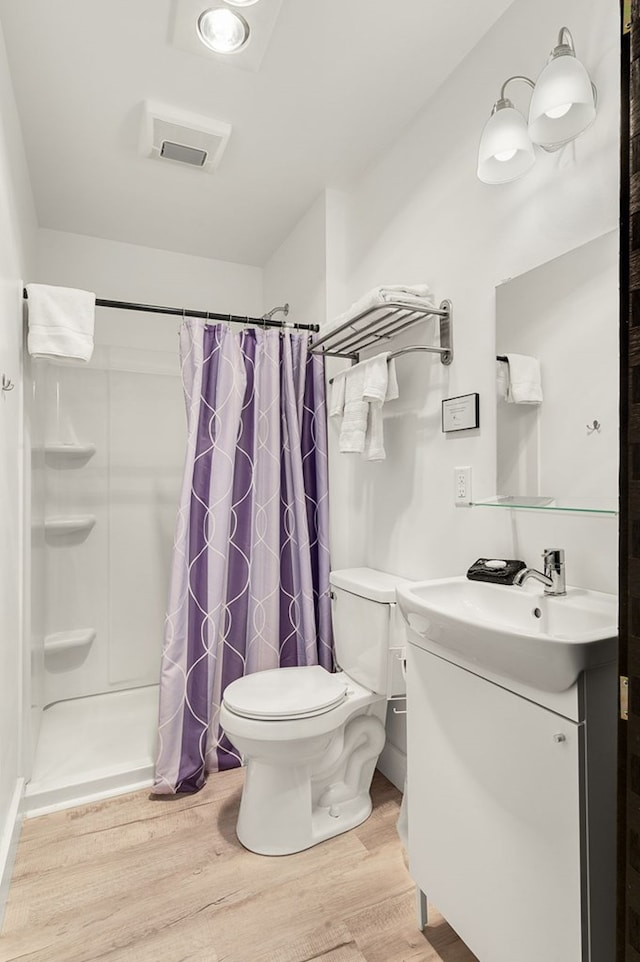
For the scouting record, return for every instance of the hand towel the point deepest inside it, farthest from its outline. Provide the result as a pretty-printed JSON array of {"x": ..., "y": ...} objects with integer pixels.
[
  {"x": 380, "y": 385},
  {"x": 376, "y": 377},
  {"x": 336, "y": 398},
  {"x": 502, "y": 380},
  {"x": 358, "y": 395},
  {"x": 61, "y": 321},
  {"x": 356, "y": 411},
  {"x": 525, "y": 383}
]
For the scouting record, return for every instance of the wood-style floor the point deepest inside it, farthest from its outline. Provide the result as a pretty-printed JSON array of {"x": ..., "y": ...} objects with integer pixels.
[{"x": 137, "y": 880}]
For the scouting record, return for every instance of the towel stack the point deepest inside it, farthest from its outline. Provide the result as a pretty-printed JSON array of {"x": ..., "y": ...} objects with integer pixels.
[
  {"x": 518, "y": 379},
  {"x": 61, "y": 322},
  {"x": 358, "y": 395},
  {"x": 415, "y": 295}
]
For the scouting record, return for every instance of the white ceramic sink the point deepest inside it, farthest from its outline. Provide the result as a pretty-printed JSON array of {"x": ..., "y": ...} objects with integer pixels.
[{"x": 538, "y": 639}]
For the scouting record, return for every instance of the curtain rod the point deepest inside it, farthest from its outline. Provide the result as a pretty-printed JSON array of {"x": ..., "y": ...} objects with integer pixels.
[{"x": 207, "y": 315}]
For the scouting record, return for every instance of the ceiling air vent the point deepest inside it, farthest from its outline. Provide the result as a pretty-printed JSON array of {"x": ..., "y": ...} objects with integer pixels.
[
  {"x": 181, "y": 137},
  {"x": 184, "y": 155}
]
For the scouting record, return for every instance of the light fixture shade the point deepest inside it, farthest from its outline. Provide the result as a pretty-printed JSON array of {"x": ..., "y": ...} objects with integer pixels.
[
  {"x": 223, "y": 30},
  {"x": 505, "y": 151},
  {"x": 563, "y": 102}
]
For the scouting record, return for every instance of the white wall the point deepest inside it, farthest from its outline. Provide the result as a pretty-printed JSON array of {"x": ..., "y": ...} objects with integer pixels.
[
  {"x": 17, "y": 232},
  {"x": 127, "y": 272},
  {"x": 420, "y": 214},
  {"x": 296, "y": 272}
]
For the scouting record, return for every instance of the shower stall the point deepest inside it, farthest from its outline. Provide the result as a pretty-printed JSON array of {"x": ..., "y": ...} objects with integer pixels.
[{"x": 108, "y": 441}]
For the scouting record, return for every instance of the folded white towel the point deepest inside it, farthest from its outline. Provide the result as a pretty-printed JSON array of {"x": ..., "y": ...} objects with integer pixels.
[
  {"x": 525, "y": 383},
  {"x": 502, "y": 380},
  {"x": 61, "y": 321},
  {"x": 336, "y": 399},
  {"x": 358, "y": 395},
  {"x": 356, "y": 410},
  {"x": 392, "y": 292},
  {"x": 376, "y": 377},
  {"x": 416, "y": 295},
  {"x": 380, "y": 385},
  {"x": 353, "y": 428}
]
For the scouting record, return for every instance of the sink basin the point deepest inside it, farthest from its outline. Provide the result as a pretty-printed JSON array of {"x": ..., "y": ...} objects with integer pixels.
[{"x": 521, "y": 633}]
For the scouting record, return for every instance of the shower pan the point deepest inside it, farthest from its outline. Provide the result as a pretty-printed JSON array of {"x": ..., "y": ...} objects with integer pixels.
[{"x": 107, "y": 450}]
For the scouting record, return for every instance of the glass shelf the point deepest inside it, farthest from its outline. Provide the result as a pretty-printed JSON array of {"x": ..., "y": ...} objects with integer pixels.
[{"x": 604, "y": 506}]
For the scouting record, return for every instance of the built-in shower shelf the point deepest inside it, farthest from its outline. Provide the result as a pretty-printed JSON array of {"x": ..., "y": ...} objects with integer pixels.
[
  {"x": 71, "y": 452},
  {"x": 68, "y": 640},
  {"x": 70, "y": 525}
]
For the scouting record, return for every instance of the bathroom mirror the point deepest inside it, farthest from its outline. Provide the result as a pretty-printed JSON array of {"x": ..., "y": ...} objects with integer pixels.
[{"x": 562, "y": 453}]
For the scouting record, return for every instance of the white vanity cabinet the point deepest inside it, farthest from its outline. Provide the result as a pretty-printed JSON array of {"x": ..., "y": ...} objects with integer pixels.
[{"x": 512, "y": 809}]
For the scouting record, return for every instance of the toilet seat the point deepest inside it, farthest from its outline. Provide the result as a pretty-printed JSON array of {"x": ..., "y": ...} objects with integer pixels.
[{"x": 282, "y": 694}]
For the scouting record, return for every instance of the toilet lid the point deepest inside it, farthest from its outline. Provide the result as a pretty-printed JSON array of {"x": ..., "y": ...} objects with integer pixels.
[{"x": 282, "y": 693}]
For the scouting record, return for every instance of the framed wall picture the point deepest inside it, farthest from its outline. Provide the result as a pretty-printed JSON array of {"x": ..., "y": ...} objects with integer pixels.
[{"x": 461, "y": 413}]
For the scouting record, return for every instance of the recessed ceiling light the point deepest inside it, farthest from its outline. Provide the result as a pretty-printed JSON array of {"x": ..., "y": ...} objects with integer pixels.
[
  {"x": 241, "y": 3},
  {"x": 223, "y": 30}
]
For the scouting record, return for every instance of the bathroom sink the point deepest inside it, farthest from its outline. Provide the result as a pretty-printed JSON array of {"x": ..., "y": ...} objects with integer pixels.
[{"x": 521, "y": 633}]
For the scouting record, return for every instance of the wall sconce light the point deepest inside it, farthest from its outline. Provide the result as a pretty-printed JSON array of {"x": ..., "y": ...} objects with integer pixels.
[{"x": 563, "y": 105}]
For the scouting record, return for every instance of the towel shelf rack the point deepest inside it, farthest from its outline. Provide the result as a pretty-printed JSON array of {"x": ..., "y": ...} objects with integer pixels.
[{"x": 379, "y": 324}]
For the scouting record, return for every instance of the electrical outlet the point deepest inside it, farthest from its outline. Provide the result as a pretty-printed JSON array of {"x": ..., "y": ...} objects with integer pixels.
[{"x": 462, "y": 486}]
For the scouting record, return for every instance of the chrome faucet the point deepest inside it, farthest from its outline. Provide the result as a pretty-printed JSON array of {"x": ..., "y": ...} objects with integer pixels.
[{"x": 553, "y": 578}]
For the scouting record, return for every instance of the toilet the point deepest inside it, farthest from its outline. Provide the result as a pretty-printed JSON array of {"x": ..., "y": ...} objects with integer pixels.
[{"x": 310, "y": 739}]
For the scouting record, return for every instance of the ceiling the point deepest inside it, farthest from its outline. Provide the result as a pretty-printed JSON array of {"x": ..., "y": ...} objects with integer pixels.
[{"x": 338, "y": 82}]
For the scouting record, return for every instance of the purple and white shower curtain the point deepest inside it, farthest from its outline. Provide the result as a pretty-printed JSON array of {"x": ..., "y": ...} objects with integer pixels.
[{"x": 250, "y": 578}]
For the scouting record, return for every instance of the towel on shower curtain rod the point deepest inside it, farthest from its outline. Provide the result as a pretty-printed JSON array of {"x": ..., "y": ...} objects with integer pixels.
[{"x": 61, "y": 321}]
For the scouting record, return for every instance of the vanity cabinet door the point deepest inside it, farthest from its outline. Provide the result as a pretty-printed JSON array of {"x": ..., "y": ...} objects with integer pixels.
[{"x": 494, "y": 814}]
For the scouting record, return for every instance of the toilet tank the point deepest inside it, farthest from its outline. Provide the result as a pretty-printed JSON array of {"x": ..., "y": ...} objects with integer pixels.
[{"x": 367, "y": 627}]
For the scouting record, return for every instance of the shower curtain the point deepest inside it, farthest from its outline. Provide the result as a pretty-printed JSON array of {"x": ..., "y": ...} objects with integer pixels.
[{"x": 250, "y": 577}]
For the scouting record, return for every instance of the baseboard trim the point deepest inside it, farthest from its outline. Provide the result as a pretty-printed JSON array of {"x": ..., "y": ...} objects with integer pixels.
[
  {"x": 9, "y": 843},
  {"x": 393, "y": 765}
]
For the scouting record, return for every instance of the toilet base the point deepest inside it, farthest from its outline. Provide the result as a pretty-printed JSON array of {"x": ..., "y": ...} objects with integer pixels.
[
  {"x": 346, "y": 816},
  {"x": 325, "y": 823},
  {"x": 286, "y": 808}
]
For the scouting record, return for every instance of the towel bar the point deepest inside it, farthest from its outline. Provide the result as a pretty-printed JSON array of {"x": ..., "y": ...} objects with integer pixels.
[{"x": 378, "y": 325}]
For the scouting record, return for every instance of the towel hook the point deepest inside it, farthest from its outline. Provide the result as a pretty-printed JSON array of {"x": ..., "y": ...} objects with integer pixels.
[
  {"x": 594, "y": 427},
  {"x": 7, "y": 383}
]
